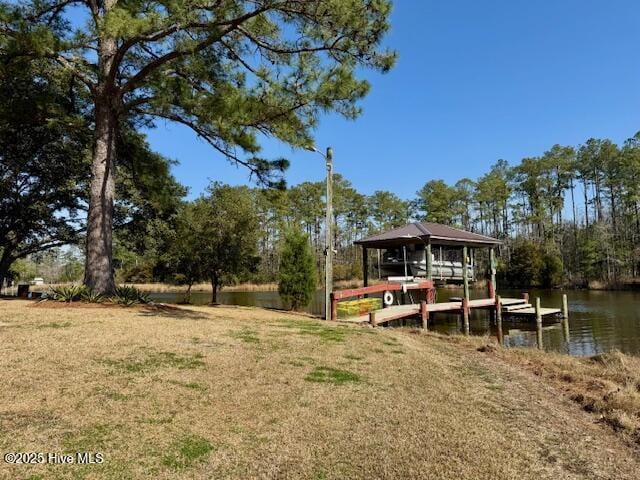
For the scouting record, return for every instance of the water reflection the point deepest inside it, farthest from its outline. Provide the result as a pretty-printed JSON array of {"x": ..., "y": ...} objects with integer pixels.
[{"x": 599, "y": 321}]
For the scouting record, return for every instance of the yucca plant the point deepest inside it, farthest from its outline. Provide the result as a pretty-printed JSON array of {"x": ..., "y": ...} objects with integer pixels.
[
  {"x": 91, "y": 296},
  {"x": 128, "y": 295},
  {"x": 68, "y": 293}
]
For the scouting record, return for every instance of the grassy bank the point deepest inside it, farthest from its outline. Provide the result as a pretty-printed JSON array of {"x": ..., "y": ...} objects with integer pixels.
[{"x": 246, "y": 393}]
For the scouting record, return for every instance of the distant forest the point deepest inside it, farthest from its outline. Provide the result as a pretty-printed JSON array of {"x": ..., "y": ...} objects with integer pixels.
[{"x": 570, "y": 216}]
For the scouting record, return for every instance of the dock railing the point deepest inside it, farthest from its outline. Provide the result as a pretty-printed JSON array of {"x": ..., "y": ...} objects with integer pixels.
[{"x": 425, "y": 286}]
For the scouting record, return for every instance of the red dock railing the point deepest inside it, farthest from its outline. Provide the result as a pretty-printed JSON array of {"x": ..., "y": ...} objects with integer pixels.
[{"x": 426, "y": 286}]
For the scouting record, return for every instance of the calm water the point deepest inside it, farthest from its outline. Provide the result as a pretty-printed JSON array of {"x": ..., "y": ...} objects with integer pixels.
[{"x": 598, "y": 321}]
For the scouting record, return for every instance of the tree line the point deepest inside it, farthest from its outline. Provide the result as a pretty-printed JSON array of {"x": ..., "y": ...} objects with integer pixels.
[
  {"x": 572, "y": 212},
  {"x": 569, "y": 216}
]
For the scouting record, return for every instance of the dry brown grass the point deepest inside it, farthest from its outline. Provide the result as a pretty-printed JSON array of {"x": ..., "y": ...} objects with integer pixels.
[
  {"x": 245, "y": 393},
  {"x": 607, "y": 384}
]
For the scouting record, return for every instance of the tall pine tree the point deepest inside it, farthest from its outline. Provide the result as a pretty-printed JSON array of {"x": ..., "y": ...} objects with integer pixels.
[{"x": 230, "y": 70}]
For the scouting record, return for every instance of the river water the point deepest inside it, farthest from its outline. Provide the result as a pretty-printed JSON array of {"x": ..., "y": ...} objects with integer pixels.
[{"x": 599, "y": 321}]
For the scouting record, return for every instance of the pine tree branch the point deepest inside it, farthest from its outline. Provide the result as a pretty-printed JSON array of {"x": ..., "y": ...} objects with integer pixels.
[{"x": 231, "y": 25}]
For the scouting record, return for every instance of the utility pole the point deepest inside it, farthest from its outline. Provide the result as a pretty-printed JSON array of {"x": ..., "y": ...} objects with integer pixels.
[{"x": 328, "y": 265}]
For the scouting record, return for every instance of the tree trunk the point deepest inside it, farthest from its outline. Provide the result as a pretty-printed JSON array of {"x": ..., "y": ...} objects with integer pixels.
[
  {"x": 99, "y": 254},
  {"x": 187, "y": 294},
  {"x": 215, "y": 284},
  {"x": 5, "y": 263},
  {"x": 586, "y": 203}
]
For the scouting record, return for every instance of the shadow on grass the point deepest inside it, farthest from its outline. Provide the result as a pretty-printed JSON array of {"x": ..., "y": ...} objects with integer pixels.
[{"x": 168, "y": 311}]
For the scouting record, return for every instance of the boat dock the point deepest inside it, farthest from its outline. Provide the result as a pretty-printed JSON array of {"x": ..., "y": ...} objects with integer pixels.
[{"x": 510, "y": 307}]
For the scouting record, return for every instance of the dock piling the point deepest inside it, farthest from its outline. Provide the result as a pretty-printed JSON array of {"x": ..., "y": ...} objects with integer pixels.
[
  {"x": 424, "y": 314},
  {"x": 465, "y": 315},
  {"x": 538, "y": 324},
  {"x": 565, "y": 316},
  {"x": 499, "y": 320},
  {"x": 565, "y": 306}
]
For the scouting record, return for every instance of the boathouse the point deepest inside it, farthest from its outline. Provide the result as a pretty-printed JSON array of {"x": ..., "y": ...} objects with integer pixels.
[
  {"x": 428, "y": 250},
  {"x": 416, "y": 252}
]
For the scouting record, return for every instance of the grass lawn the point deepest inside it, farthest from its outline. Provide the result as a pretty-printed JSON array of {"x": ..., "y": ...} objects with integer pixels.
[{"x": 246, "y": 393}]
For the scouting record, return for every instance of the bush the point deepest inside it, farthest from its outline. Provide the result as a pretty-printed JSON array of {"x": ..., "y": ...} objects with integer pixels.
[
  {"x": 297, "y": 273},
  {"x": 91, "y": 296},
  {"x": 128, "y": 295},
  {"x": 68, "y": 293}
]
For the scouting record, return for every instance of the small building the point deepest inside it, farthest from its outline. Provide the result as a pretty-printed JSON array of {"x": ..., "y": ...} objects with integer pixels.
[
  {"x": 428, "y": 250},
  {"x": 37, "y": 281}
]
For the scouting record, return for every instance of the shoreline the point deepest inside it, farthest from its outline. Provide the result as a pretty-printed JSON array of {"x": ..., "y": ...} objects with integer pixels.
[{"x": 628, "y": 285}]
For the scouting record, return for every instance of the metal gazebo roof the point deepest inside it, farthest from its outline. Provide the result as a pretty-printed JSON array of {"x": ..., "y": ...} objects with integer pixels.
[{"x": 434, "y": 233}]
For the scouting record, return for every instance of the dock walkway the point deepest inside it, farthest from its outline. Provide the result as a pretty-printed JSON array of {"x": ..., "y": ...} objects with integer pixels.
[{"x": 514, "y": 307}]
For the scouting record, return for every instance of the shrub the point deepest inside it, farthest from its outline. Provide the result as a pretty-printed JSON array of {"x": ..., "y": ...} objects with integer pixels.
[
  {"x": 297, "y": 273},
  {"x": 129, "y": 295},
  {"x": 68, "y": 293},
  {"x": 91, "y": 296}
]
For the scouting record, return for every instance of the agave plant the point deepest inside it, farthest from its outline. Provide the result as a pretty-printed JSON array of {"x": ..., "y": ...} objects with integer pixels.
[
  {"x": 68, "y": 293},
  {"x": 129, "y": 295}
]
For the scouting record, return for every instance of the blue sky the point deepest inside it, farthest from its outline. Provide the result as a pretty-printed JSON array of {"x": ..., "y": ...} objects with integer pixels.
[{"x": 474, "y": 82}]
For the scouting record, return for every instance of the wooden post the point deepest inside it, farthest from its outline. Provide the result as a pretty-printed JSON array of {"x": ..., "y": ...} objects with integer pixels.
[
  {"x": 499, "y": 320},
  {"x": 424, "y": 314},
  {"x": 372, "y": 318},
  {"x": 538, "y": 324},
  {"x": 465, "y": 273},
  {"x": 334, "y": 308},
  {"x": 429, "y": 260},
  {"x": 492, "y": 266},
  {"x": 365, "y": 266},
  {"x": 465, "y": 315},
  {"x": 490, "y": 291},
  {"x": 525, "y": 297},
  {"x": 565, "y": 316}
]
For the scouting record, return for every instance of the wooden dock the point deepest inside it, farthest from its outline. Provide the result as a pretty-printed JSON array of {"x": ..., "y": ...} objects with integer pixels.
[{"x": 515, "y": 307}]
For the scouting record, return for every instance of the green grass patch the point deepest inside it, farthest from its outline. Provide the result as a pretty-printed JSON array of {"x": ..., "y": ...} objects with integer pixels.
[
  {"x": 246, "y": 335},
  {"x": 332, "y": 375},
  {"x": 154, "y": 360},
  {"x": 187, "y": 451},
  {"x": 316, "y": 329},
  {"x": 92, "y": 438},
  {"x": 54, "y": 325}
]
